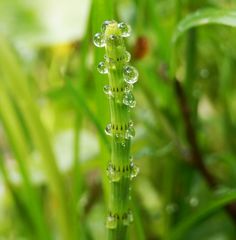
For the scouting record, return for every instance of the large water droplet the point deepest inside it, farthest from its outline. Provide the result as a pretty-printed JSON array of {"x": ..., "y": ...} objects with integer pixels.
[
  {"x": 125, "y": 29},
  {"x": 108, "y": 129},
  {"x": 130, "y": 74},
  {"x": 102, "y": 68},
  {"x": 111, "y": 222},
  {"x": 134, "y": 170},
  {"x": 108, "y": 90},
  {"x": 99, "y": 40},
  {"x": 127, "y": 56},
  {"x": 113, "y": 174},
  {"x": 129, "y": 100}
]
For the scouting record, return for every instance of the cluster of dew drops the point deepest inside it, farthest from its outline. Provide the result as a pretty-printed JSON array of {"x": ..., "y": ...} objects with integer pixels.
[{"x": 130, "y": 73}]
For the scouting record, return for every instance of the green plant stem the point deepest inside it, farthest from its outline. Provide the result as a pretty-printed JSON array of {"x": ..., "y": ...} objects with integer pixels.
[{"x": 120, "y": 148}]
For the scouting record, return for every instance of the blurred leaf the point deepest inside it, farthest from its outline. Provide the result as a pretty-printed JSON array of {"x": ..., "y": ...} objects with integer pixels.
[
  {"x": 206, "y": 211},
  {"x": 44, "y": 22},
  {"x": 204, "y": 17}
]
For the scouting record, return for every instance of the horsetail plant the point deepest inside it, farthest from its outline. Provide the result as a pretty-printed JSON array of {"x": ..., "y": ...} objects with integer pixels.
[{"x": 121, "y": 168}]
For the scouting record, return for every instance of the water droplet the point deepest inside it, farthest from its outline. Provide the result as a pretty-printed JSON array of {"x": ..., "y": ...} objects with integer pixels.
[
  {"x": 125, "y": 29},
  {"x": 125, "y": 219},
  {"x": 193, "y": 201},
  {"x": 107, "y": 90},
  {"x": 99, "y": 40},
  {"x": 127, "y": 56},
  {"x": 105, "y": 24},
  {"x": 128, "y": 88},
  {"x": 129, "y": 99},
  {"x": 102, "y": 68},
  {"x": 114, "y": 40},
  {"x": 110, "y": 61},
  {"x": 134, "y": 170},
  {"x": 130, "y": 216},
  {"x": 111, "y": 222},
  {"x": 130, "y": 74},
  {"x": 108, "y": 129},
  {"x": 123, "y": 144},
  {"x": 131, "y": 123},
  {"x": 119, "y": 137},
  {"x": 130, "y": 133},
  {"x": 113, "y": 174}
]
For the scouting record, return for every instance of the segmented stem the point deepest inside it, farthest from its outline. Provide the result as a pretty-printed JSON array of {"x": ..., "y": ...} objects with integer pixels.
[{"x": 121, "y": 168}]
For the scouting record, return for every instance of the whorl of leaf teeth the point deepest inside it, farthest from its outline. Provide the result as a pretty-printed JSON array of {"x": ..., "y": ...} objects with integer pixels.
[{"x": 121, "y": 169}]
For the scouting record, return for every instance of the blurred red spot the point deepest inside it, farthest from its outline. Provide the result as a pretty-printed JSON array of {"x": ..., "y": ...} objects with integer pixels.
[{"x": 141, "y": 47}]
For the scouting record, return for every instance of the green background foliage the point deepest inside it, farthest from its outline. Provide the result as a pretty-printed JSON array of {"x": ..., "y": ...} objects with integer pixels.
[{"x": 53, "y": 149}]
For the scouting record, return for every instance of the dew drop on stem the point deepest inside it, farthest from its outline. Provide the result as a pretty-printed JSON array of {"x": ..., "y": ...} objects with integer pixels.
[
  {"x": 108, "y": 129},
  {"x": 130, "y": 133},
  {"x": 125, "y": 29},
  {"x": 102, "y": 68},
  {"x": 107, "y": 90},
  {"x": 127, "y": 56},
  {"x": 134, "y": 170},
  {"x": 129, "y": 100},
  {"x": 104, "y": 25},
  {"x": 130, "y": 74},
  {"x": 111, "y": 222},
  {"x": 114, "y": 40},
  {"x": 99, "y": 40},
  {"x": 128, "y": 88},
  {"x": 113, "y": 174}
]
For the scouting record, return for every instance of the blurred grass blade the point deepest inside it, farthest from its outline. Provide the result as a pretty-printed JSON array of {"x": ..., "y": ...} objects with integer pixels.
[
  {"x": 20, "y": 149},
  {"x": 204, "y": 17},
  {"x": 16, "y": 82},
  {"x": 209, "y": 209},
  {"x": 80, "y": 102}
]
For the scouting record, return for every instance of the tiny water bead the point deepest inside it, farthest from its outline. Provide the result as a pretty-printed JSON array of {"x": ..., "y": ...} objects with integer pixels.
[
  {"x": 134, "y": 170},
  {"x": 125, "y": 29},
  {"x": 130, "y": 74},
  {"x": 131, "y": 123},
  {"x": 129, "y": 100},
  {"x": 119, "y": 138},
  {"x": 107, "y": 90},
  {"x": 102, "y": 68},
  {"x": 108, "y": 129},
  {"x": 127, "y": 218},
  {"x": 99, "y": 40},
  {"x": 111, "y": 222}
]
